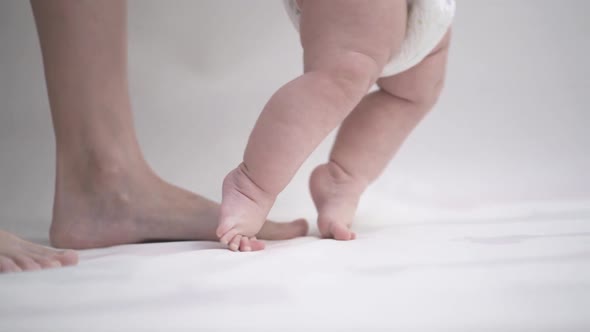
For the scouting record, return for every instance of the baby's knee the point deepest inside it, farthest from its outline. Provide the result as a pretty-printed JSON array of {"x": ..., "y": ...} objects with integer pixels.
[
  {"x": 426, "y": 96},
  {"x": 351, "y": 73},
  {"x": 422, "y": 94}
]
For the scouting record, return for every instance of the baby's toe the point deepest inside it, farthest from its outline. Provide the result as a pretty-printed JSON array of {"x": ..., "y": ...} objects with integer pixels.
[
  {"x": 245, "y": 244},
  {"x": 228, "y": 236},
  {"x": 341, "y": 232},
  {"x": 256, "y": 244},
  {"x": 234, "y": 244}
]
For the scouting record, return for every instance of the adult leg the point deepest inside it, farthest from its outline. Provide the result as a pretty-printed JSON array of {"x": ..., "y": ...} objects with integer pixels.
[{"x": 105, "y": 192}]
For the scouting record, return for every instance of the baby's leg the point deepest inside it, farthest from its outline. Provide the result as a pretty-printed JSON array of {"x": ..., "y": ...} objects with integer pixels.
[
  {"x": 370, "y": 136},
  {"x": 346, "y": 45}
]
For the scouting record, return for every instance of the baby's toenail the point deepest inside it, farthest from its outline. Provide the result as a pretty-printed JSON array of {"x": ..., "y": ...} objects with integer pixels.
[{"x": 247, "y": 249}]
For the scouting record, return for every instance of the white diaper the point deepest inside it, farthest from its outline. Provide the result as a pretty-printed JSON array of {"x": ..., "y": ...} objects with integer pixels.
[{"x": 428, "y": 22}]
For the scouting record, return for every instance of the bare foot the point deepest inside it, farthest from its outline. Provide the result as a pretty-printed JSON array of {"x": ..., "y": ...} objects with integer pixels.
[
  {"x": 114, "y": 206},
  {"x": 244, "y": 208},
  {"x": 18, "y": 255},
  {"x": 336, "y": 195}
]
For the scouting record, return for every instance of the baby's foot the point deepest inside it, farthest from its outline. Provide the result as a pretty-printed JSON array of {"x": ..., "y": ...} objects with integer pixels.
[
  {"x": 244, "y": 207},
  {"x": 18, "y": 255},
  {"x": 336, "y": 195}
]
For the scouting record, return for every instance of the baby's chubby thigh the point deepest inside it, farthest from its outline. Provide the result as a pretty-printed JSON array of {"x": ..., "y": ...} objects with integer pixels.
[
  {"x": 421, "y": 85},
  {"x": 353, "y": 38}
]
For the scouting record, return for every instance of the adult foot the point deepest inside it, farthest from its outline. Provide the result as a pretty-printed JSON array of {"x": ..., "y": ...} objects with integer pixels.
[
  {"x": 112, "y": 206},
  {"x": 17, "y": 255},
  {"x": 336, "y": 195}
]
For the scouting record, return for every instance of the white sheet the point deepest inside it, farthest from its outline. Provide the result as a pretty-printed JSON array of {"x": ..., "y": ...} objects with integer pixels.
[{"x": 500, "y": 269}]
